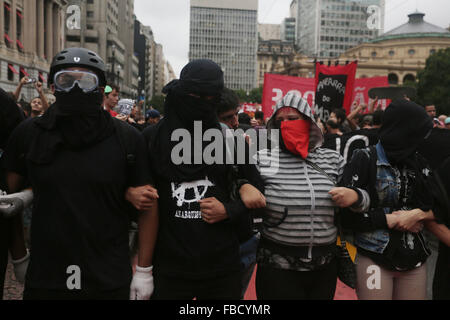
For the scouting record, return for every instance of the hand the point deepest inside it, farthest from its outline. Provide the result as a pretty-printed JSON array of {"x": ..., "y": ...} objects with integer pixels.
[
  {"x": 373, "y": 104},
  {"x": 392, "y": 221},
  {"x": 252, "y": 197},
  {"x": 121, "y": 117},
  {"x": 38, "y": 87},
  {"x": 20, "y": 268},
  {"x": 142, "y": 286},
  {"x": 343, "y": 197},
  {"x": 142, "y": 198},
  {"x": 12, "y": 204},
  {"x": 213, "y": 211},
  {"x": 24, "y": 81},
  {"x": 131, "y": 120},
  {"x": 409, "y": 220},
  {"x": 254, "y": 123}
]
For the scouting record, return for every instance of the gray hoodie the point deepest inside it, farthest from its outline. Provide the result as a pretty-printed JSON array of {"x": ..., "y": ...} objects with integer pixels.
[{"x": 293, "y": 185}]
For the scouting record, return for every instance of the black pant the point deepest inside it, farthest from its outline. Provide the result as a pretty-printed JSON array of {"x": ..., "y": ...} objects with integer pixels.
[
  {"x": 278, "y": 284},
  {"x": 221, "y": 288},
  {"x": 441, "y": 285},
  {"x": 62, "y": 295},
  {"x": 5, "y": 228}
]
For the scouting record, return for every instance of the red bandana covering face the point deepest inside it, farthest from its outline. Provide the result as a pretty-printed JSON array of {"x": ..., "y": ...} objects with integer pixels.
[{"x": 296, "y": 136}]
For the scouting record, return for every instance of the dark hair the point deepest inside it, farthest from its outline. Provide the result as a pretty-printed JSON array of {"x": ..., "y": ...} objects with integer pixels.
[
  {"x": 228, "y": 101},
  {"x": 11, "y": 95},
  {"x": 244, "y": 119},
  {"x": 333, "y": 124},
  {"x": 113, "y": 87},
  {"x": 259, "y": 115},
  {"x": 340, "y": 115},
  {"x": 26, "y": 107},
  {"x": 367, "y": 120},
  {"x": 378, "y": 117}
]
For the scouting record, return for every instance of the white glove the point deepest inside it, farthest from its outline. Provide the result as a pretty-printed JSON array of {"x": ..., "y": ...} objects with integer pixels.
[
  {"x": 11, "y": 205},
  {"x": 20, "y": 268},
  {"x": 142, "y": 285}
]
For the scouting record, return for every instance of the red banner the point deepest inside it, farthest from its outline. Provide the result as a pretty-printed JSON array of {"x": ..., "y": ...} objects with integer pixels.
[
  {"x": 277, "y": 86},
  {"x": 334, "y": 88}
]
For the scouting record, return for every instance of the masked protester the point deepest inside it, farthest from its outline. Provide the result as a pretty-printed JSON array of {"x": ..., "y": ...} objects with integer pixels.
[
  {"x": 79, "y": 173},
  {"x": 297, "y": 253},
  {"x": 197, "y": 251},
  {"x": 10, "y": 118},
  {"x": 395, "y": 200}
]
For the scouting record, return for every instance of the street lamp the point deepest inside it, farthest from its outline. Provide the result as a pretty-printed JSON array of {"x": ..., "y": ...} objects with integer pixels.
[{"x": 118, "y": 74}]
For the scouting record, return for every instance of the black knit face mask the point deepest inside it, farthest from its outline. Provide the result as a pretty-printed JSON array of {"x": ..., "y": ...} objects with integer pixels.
[{"x": 77, "y": 102}]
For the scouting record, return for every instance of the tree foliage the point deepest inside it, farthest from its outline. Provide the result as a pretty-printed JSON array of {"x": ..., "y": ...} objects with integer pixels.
[
  {"x": 434, "y": 82},
  {"x": 254, "y": 96}
]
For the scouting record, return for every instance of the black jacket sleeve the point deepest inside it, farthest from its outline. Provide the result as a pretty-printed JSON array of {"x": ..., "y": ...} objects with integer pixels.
[{"x": 360, "y": 175}]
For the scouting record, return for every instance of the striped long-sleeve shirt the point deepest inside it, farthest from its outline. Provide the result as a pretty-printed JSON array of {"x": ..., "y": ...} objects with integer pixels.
[{"x": 293, "y": 184}]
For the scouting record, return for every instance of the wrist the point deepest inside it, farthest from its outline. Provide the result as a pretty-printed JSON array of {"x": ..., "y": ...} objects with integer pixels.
[{"x": 144, "y": 269}]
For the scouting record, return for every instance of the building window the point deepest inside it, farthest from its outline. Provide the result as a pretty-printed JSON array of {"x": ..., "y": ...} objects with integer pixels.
[
  {"x": 374, "y": 54},
  {"x": 409, "y": 78},
  {"x": 11, "y": 72},
  {"x": 393, "y": 79},
  {"x": 412, "y": 52},
  {"x": 392, "y": 53},
  {"x": 432, "y": 51}
]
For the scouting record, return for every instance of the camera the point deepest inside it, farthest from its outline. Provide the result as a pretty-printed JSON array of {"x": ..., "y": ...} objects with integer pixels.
[{"x": 30, "y": 81}]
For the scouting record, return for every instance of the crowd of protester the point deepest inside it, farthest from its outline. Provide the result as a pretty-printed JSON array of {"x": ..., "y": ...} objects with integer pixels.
[{"x": 91, "y": 165}]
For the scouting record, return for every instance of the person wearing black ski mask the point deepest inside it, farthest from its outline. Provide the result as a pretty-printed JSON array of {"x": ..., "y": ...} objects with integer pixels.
[
  {"x": 78, "y": 169},
  {"x": 197, "y": 250},
  {"x": 396, "y": 184}
]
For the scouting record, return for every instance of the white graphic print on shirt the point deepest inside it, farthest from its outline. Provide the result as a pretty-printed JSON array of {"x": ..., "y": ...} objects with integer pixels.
[{"x": 189, "y": 193}]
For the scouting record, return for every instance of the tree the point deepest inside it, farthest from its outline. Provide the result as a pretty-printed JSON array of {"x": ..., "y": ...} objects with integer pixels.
[
  {"x": 434, "y": 82},
  {"x": 254, "y": 96},
  {"x": 157, "y": 102}
]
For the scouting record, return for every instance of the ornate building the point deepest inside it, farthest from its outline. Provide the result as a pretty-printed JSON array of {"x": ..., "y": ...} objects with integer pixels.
[
  {"x": 32, "y": 33},
  {"x": 400, "y": 53}
]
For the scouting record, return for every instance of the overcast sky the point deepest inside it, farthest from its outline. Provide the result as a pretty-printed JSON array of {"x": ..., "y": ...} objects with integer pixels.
[{"x": 169, "y": 20}]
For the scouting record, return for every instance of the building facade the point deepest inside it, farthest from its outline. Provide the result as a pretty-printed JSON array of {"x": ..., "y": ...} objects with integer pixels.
[
  {"x": 107, "y": 27},
  {"x": 33, "y": 32},
  {"x": 327, "y": 28},
  {"x": 159, "y": 69},
  {"x": 226, "y": 32},
  {"x": 398, "y": 54},
  {"x": 144, "y": 47},
  {"x": 271, "y": 55},
  {"x": 288, "y": 29},
  {"x": 269, "y": 31},
  {"x": 401, "y": 52}
]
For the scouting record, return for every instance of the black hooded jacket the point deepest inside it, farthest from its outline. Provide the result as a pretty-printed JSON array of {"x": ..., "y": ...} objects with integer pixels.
[{"x": 187, "y": 246}]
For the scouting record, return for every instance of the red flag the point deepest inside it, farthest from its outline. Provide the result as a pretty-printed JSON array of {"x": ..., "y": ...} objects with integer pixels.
[
  {"x": 334, "y": 88},
  {"x": 277, "y": 86}
]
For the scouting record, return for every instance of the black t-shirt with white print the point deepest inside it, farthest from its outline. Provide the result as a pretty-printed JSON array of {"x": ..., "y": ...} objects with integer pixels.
[
  {"x": 80, "y": 216},
  {"x": 188, "y": 247}
]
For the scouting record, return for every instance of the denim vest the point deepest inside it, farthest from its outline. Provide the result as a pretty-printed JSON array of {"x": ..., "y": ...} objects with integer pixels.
[{"x": 387, "y": 188}]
